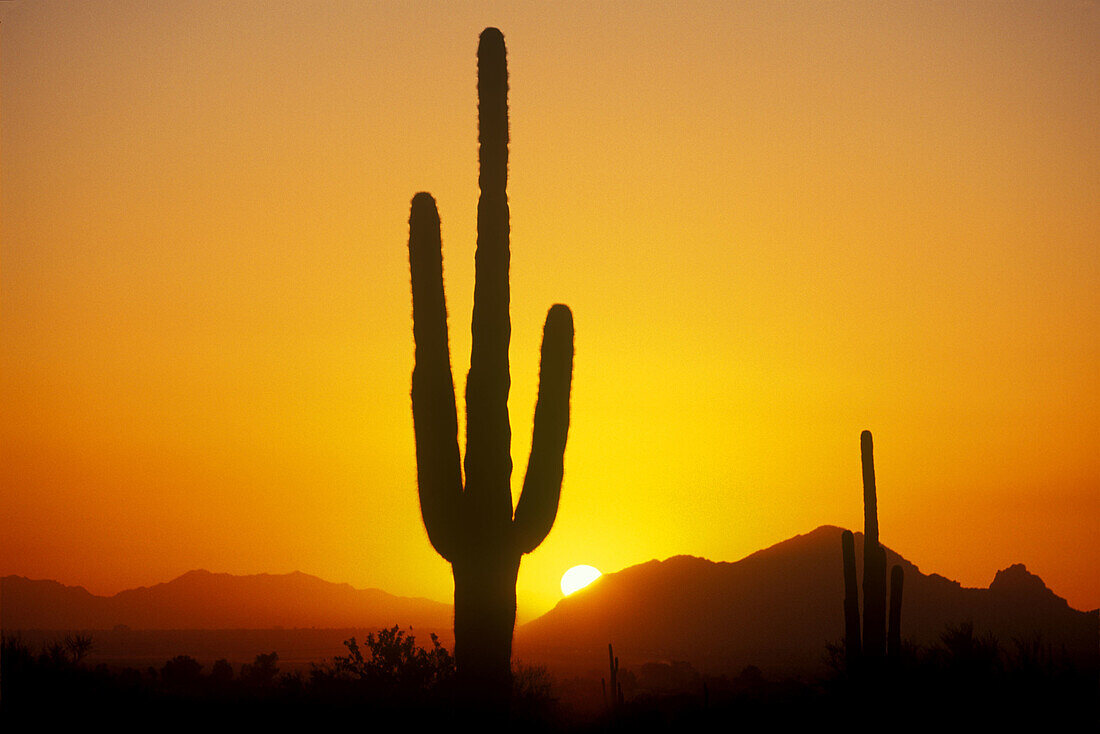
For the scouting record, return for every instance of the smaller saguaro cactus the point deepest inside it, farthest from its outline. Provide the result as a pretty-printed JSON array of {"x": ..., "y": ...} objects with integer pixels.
[
  {"x": 874, "y": 559},
  {"x": 852, "y": 646},
  {"x": 876, "y": 640},
  {"x": 613, "y": 696},
  {"x": 893, "y": 636}
]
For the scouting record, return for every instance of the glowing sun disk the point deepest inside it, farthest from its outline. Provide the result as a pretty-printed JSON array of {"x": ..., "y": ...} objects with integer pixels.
[{"x": 578, "y": 577}]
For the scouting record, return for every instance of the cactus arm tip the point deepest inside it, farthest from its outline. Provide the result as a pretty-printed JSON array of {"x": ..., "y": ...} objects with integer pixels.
[
  {"x": 538, "y": 502},
  {"x": 489, "y": 36},
  {"x": 870, "y": 499},
  {"x": 422, "y": 202}
]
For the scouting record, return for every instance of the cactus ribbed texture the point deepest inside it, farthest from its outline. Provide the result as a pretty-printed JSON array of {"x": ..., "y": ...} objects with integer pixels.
[{"x": 472, "y": 524}]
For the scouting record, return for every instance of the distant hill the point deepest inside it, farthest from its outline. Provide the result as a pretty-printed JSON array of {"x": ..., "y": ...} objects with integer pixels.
[
  {"x": 204, "y": 600},
  {"x": 778, "y": 608},
  {"x": 775, "y": 609}
]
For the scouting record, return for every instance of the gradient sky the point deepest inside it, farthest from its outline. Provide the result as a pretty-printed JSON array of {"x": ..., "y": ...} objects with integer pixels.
[{"x": 777, "y": 224}]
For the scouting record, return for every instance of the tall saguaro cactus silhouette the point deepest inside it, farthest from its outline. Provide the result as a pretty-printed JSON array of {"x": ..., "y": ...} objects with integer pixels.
[
  {"x": 874, "y": 558},
  {"x": 472, "y": 524},
  {"x": 875, "y": 633}
]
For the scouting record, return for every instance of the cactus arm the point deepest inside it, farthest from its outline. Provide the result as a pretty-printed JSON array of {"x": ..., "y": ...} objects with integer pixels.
[
  {"x": 435, "y": 418},
  {"x": 538, "y": 503},
  {"x": 616, "y": 686},
  {"x": 488, "y": 432},
  {"x": 893, "y": 636},
  {"x": 870, "y": 499}
]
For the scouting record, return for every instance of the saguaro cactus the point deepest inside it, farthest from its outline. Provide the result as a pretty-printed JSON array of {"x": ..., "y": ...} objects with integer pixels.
[
  {"x": 852, "y": 637},
  {"x": 893, "y": 636},
  {"x": 616, "y": 699},
  {"x": 875, "y": 637},
  {"x": 874, "y": 559},
  {"x": 472, "y": 524}
]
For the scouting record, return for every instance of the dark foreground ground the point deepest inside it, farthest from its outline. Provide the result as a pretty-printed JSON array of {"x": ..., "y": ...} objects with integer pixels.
[{"x": 387, "y": 683}]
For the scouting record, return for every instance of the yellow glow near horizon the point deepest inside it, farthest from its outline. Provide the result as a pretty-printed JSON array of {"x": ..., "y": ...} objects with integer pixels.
[{"x": 577, "y": 578}]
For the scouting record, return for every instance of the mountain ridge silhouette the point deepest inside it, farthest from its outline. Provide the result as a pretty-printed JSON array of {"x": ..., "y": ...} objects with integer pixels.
[
  {"x": 201, "y": 599},
  {"x": 775, "y": 608},
  {"x": 778, "y": 607}
]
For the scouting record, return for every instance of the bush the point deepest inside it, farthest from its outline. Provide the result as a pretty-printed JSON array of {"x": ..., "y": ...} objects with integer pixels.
[
  {"x": 182, "y": 671},
  {"x": 394, "y": 661},
  {"x": 262, "y": 671}
]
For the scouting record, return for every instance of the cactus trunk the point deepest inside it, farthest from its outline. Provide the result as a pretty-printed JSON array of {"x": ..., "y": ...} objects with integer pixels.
[
  {"x": 472, "y": 524},
  {"x": 874, "y": 560},
  {"x": 616, "y": 687},
  {"x": 485, "y": 615}
]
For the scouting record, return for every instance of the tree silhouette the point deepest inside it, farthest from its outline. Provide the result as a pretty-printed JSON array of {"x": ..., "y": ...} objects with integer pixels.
[
  {"x": 221, "y": 673},
  {"x": 78, "y": 645},
  {"x": 262, "y": 671},
  {"x": 472, "y": 524},
  {"x": 181, "y": 671}
]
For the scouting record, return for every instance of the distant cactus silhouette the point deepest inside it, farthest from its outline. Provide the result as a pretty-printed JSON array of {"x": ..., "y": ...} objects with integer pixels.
[
  {"x": 875, "y": 637},
  {"x": 473, "y": 526},
  {"x": 616, "y": 698},
  {"x": 874, "y": 559},
  {"x": 893, "y": 635},
  {"x": 852, "y": 637}
]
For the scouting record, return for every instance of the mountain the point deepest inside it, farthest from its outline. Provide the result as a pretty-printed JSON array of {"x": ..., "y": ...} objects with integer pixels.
[
  {"x": 204, "y": 600},
  {"x": 777, "y": 609}
]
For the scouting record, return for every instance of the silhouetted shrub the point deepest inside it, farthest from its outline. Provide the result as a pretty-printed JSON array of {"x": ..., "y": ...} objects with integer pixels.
[
  {"x": 182, "y": 671},
  {"x": 530, "y": 681},
  {"x": 14, "y": 653},
  {"x": 533, "y": 703},
  {"x": 394, "y": 660},
  {"x": 221, "y": 673},
  {"x": 261, "y": 673},
  {"x": 965, "y": 652},
  {"x": 77, "y": 645}
]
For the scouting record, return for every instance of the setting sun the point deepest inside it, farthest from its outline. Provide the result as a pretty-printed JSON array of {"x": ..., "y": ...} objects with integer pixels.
[{"x": 577, "y": 578}]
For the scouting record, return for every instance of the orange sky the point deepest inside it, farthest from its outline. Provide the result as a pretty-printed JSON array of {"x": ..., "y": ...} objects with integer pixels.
[{"x": 776, "y": 225}]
